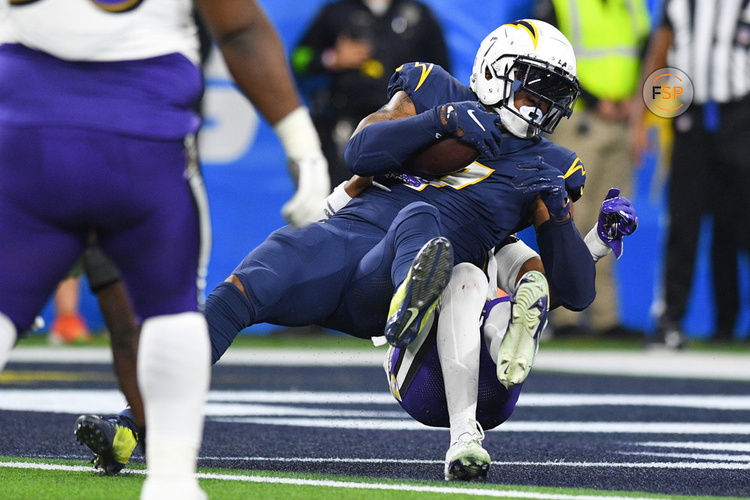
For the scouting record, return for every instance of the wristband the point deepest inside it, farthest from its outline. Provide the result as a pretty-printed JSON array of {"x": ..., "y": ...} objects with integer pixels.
[
  {"x": 595, "y": 245},
  {"x": 336, "y": 200},
  {"x": 297, "y": 134}
]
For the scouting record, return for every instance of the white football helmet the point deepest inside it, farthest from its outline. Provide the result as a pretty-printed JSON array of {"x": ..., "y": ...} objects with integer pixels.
[{"x": 530, "y": 56}]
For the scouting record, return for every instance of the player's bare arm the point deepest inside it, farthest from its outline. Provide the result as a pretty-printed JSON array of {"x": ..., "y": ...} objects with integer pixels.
[
  {"x": 252, "y": 50},
  {"x": 255, "y": 56}
]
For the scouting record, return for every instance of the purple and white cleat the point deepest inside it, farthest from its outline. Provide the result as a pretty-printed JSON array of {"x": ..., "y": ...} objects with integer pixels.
[{"x": 528, "y": 317}]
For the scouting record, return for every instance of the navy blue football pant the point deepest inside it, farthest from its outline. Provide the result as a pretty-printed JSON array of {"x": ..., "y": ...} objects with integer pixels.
[{"x": 339, "y": 273}]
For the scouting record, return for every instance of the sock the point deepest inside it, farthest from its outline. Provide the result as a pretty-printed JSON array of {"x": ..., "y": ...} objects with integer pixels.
[
  {"x": 7, "y": 339},
  {"x": 458, "y": 345},
  {"x": 228, "y": 311},
  {"x": 173, "y": 376},
  {"x": 415, "y": 225},
  {"x": 495, "y": 325}
]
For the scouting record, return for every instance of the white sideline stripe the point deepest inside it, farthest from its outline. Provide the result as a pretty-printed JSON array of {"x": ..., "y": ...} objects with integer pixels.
[
  {"x": 380, "y": 460},
  {"x": 697, "y": 445},
  {"x": 342, "y": 484},
  {"x": 250, "y": 403},
  {"x": 693, "y": 456},
  {"x": 655, "y": 363},
  {"x": 518, "y": 426}
]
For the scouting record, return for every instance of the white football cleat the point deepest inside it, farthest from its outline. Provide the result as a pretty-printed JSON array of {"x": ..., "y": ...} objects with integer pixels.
[
  {"x": 528, "y": 317},
  {"x": 466, "y": 460}
]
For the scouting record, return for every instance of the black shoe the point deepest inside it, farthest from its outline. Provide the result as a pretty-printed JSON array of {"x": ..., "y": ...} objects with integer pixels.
[{"x": 111, "y": 440}]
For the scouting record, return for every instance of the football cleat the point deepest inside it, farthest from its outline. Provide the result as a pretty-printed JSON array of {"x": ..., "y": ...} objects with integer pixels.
[
  {"x": 111, "y": 440},
  {"x": 417, "y": 296},
  {"x": 528, "y": 317},
  {"x": 466, "y": 460}
]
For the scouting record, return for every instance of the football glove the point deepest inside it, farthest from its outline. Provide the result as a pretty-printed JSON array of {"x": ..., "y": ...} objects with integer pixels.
[
  {"x": 548, "y": 183},
  {"x": 617, "y": 218},
  {"x": 313, "y": 185},
  {"x": 469, "y": 122}
]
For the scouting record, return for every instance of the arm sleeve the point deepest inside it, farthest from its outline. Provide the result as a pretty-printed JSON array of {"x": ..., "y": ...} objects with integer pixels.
[
  {"x": 384, "y": 146},
  {"x": 567, "y": 263}
]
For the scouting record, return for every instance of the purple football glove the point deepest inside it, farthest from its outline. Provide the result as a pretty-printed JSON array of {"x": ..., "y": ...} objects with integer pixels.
[
  {"x": 470, "y": 122},
  {"x": 617, "y": 218}
]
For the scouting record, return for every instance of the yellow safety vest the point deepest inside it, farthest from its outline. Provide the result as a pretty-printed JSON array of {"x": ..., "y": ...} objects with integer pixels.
[{"x": 607, "y": 37}]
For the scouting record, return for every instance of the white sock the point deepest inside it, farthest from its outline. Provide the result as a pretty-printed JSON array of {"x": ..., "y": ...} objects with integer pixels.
[
  {"x": 174, "y": 371},
  {"x": 7, "y": 339},
  {"x": 495, "y": 326},
  {"x": 458, "y": 344}
]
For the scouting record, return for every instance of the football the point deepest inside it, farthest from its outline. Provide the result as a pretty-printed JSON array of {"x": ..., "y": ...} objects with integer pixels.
[{"x": 441, "y": 158}]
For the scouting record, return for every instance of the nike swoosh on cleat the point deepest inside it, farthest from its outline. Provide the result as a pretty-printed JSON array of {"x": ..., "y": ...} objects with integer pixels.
[
  {"x": 414, "y": 312},
  {"x": 471, "y": 114}
]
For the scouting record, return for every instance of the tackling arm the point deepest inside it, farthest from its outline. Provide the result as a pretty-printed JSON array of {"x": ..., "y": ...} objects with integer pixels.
[{"x": 617, "y": 219}]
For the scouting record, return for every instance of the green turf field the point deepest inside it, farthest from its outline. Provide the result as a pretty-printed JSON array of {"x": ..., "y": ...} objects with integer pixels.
[
  {"x": 69, "y": 479},
  {"x": 341, "y": 341}
]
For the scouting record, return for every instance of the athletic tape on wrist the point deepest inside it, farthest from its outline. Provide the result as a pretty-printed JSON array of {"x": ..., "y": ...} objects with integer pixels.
[
  {"x": 297, "y": 134},
  {"x": 595, "y": 245}
]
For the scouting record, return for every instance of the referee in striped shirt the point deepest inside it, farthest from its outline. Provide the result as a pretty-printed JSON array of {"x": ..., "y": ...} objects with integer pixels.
[{"x": 710, "y": 166}]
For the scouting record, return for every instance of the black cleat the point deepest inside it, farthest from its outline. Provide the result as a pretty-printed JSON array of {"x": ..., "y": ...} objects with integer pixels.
[{"x": 111, "y": 441}]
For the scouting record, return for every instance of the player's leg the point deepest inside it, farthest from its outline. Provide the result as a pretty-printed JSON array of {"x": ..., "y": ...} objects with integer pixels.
[
  {"x": 421, "y": 268},
  {"x": 458, "y": 347},
  {"x": 691, "y": 172},
  {"x": 410, "y": 255},
  {"x": 36, "y": 250},
  {"x": 294, "y": 278},
  {"x": 162, "y": 258}
]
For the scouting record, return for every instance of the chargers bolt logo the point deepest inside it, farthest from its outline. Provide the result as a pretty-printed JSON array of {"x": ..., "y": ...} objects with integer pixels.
[{"x": 668, "y": 92}]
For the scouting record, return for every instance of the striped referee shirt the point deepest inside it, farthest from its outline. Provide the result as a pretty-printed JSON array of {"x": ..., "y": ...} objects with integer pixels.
[{"x": 711, "y": 41}]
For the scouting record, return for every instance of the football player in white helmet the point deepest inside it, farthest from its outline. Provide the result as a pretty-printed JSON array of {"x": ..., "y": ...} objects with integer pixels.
[{"x": 532, "y": 57}]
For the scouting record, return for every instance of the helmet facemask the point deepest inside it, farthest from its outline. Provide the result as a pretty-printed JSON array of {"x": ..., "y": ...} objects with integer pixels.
[{"x": 550, "y": 88}]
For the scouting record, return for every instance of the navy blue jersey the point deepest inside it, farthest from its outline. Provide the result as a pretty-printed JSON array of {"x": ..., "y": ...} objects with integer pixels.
[{"x": 482, "y": 204}]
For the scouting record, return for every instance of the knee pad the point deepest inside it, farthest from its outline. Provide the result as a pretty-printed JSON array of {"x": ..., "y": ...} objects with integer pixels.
[{"x": 466, "y": 274}]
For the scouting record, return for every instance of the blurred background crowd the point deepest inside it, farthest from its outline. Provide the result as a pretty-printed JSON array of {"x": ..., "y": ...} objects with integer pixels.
[{"x": 684, "y": 273}]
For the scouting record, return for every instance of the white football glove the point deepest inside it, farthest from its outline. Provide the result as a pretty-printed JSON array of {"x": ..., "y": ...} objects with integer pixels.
[
  {"x": 313, "y": 185},
  {"x": 308, "y": 166}
]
